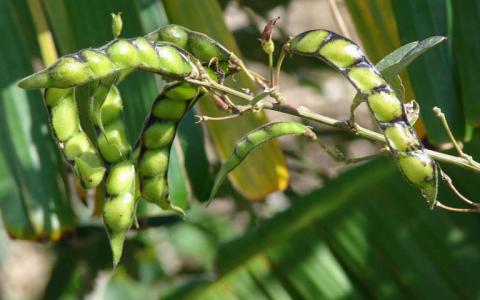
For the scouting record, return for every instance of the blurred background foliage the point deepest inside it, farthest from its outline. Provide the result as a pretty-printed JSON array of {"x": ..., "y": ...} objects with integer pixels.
[{"x": 332, "y": 233}]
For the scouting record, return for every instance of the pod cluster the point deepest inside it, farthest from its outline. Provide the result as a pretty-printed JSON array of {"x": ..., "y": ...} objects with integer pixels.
[
  {"x": 76, "y": 146},
  {"x": 157, "y": 138},
  {"x": 347, "y": 57}
]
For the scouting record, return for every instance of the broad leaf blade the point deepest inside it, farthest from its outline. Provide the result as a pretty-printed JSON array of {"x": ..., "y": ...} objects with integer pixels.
[
  {"x": 465, "y": 16},
  {"x": 28, "y": 152},
  {"x": 432, "y": 74}
]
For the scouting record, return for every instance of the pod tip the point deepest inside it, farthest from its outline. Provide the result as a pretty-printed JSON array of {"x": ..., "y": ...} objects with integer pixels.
[{"x": 35, "y": 81}]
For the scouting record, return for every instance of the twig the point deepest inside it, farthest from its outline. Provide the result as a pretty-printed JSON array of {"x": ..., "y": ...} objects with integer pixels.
[
  {"x": 456, "y": 209},
  {"x": 438, "y": 112},
  {"x": 306, "y": 113},
  {"x": 449, "y": 182},
  {"x": 338, "y": 18}
]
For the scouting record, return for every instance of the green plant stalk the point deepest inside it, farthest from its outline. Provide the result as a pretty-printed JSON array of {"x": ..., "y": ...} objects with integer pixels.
[{"x": 305, "y": 113}]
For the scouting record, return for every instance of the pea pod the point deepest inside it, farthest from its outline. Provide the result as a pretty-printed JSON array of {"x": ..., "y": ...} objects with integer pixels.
[
  {"x": 120, "y": 187},
  {"x": 201, "y": 46},
  {"x": 344, "y": 55},
  {"x": 157, "y": 138},
  {"x": 254, "y": 139},
  {"x": 77, "y": 148},
  {"x": 119, "y": 55}
]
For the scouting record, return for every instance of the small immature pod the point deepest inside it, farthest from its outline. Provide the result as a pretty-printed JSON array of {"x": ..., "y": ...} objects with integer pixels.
[{"x": 419, "y": 169}]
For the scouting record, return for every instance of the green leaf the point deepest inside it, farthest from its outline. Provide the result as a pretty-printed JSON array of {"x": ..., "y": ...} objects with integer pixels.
[
  {"x": 366, "y": 234},
  {"x": 432, "y": 74},
  {"x": 465, "y": 45},
  {"x": 394, "y": 63},
  {"x": 31, "y": 164},
  {"x": 196, "y": 161}
]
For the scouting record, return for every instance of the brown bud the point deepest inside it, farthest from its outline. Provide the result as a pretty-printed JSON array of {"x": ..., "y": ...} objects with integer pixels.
[{"x": 267, "y": 30}]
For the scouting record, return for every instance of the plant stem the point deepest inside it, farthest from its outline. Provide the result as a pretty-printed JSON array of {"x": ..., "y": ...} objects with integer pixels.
[{"x": 305, "y": 113}]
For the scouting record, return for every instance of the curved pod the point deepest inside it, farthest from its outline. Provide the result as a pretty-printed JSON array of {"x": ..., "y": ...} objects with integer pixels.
[{"x": 344, "y": 55}]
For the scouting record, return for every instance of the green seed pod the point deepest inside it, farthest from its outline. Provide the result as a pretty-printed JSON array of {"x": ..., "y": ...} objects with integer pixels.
[
  {"x": 198, "y": 44},
  {"x": 341, "y": 53},
  {"x": 118, "y": 56},
  {"x": 118, "y": 216},
  {"x": 159, "y": 135},
  {"x": 113, "y": 144},
  {"x": 154, "y": 162},
  {"x": 157, "y": 138},
  {"x": 254, "y": 139}
]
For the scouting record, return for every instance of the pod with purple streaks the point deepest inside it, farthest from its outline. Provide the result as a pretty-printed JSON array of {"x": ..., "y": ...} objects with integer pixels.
[
  {"x": 76, "y": 146},
  {"x": 254, "y": 139},
  {"x": 344, "y": 55}
]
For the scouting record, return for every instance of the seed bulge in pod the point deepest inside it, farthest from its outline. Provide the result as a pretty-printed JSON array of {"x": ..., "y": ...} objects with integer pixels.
[
  {"x": 121, "y": 178},
  {"x": 169, "y": 109},
  {"x": 182, "y": 91},
  {"x": 417, "y": 167},
  {"x": 173, "y": 61},
  {"x": 76, "y": 145},
  {"x": 111, "y": 108},
  {"x": 113, "y": 144},
  {"x": 309, "y": 42},
  {"x": 90, "y": 169},
  {"x": 124, "y": 54},
  {"x": 159, "y": 135},
  {"x": 99, "y": 63},
  {"x": 385, "y": 106},
  {"x": 154, "y": 162},
  {"x": 148, "y": 54},
  {"x": 54, "y": 96},
  {"x": 69, "y": 71},
  {"x": 155, "y": 189},
  {"x": 65, "y": 118},
  {"x": 205, "y": 49},
  {"x": 174, "y": 34}
]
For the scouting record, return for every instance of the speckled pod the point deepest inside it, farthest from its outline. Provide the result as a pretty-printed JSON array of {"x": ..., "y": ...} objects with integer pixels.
[
  {"x": 347, "y": 57},
  {"x": 157, "y": 138},
  {"x": 119, "y": 55},
  {"x": 77, "y": 148}
]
